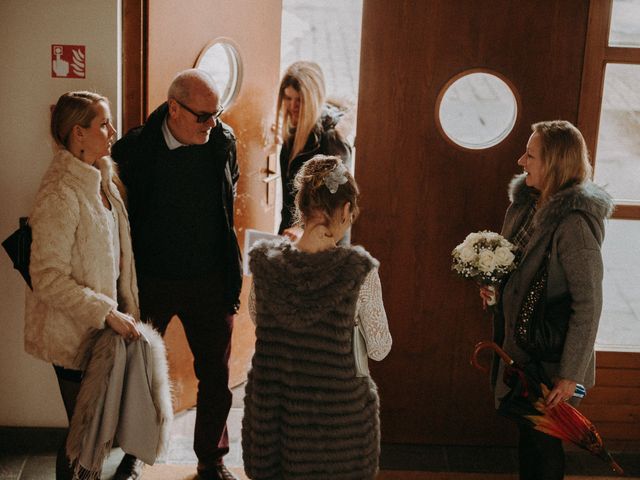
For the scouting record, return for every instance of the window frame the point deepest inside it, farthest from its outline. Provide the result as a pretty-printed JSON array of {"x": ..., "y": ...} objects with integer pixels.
[{"x": 597, "y": 55}]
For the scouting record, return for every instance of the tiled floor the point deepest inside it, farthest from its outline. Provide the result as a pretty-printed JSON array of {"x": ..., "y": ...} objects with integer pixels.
[{"x": 30, "y": 455}]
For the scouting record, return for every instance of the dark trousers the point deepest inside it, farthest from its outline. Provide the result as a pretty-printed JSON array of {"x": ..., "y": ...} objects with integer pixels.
[
  {"x": 69, "y": 383},
  {"x": 541, "y": 456},
  {"x": 208, "y": 325}
]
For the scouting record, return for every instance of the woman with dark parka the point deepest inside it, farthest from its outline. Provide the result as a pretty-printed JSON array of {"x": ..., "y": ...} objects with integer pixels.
[
  {"x": 557, "y": 212},
  {"x": 308, "y": 414},
  {"x": 308, "y": 125},
  {"x": 81, "y": 266}
]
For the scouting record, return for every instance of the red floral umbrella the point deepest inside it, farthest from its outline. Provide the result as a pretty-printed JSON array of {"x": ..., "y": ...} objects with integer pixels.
[{"x": 525, "y": 404}]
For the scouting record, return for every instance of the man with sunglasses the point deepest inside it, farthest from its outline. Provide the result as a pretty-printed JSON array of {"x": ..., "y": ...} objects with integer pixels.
[{"x": 181, "y": 173}]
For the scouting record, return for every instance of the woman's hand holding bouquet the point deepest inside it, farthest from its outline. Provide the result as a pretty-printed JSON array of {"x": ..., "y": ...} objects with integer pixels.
[{"x": 486, "y": 257}]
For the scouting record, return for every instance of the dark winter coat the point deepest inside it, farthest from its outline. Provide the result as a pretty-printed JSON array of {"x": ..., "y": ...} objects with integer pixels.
[
  {"x": 307, "y": 415},
  {"x": 135, "y": 154},
  {"x": 572, "y": 222},
  {"x": 324, "y": 139}
]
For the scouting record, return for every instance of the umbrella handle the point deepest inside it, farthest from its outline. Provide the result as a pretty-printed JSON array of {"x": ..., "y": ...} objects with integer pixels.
[{"x": 493, "y": 346}]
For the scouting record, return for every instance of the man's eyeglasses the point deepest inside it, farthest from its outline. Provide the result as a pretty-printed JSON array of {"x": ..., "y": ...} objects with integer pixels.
[{"x": 201, "y": 117}]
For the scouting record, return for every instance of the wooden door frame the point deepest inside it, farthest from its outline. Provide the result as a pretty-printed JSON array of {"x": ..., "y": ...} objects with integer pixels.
[
  {"x": 598, "y": 54},
  {"x": 134, "y": 63}
]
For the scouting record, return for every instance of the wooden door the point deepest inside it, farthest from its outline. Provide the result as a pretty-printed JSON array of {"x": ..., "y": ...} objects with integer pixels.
[
  {"x": 422, "y": 195},
  {"x": 173, "y": 35}
]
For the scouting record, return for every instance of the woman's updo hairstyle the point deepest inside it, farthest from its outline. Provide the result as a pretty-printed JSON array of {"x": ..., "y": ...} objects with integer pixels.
[
  {"x": 73, "y": 108},
  {"x": 313, "y": 185}
]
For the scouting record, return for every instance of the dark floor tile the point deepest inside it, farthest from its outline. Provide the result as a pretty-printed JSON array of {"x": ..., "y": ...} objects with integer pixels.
[
  {"x": 583, "y": 463},
  {"x": 413, "y": 457},
  {"x": 482, "y": 459},
  {"x": 39, "y": 467},
  {"x": 30, "y": 440},
  {"x": 629, "y": 461},
  {"x": 11, "y": 466}
]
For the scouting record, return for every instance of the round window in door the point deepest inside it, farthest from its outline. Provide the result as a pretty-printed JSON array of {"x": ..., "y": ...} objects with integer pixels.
[
  {"x": 221, "y": 60},
  {"x": 476, "y": 109}
]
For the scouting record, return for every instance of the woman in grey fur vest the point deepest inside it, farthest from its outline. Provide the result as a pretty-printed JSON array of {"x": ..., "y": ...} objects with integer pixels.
[
  {"x": 308, "y": 414},
  {"x": 555, "y": 211}
]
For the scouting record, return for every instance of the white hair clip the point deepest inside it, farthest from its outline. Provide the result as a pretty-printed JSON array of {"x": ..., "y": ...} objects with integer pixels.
[{"x": 336, "y": 177}]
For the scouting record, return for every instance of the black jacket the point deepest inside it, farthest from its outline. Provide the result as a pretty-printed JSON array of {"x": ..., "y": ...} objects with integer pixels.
[
  {"x": 135, "y": 154},
  {"x": 323, "y": 139}
]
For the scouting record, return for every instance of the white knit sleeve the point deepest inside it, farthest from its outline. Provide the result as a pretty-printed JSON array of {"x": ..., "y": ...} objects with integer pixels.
[
  {"x": 252, "y": 304},
  {"x": 372, "y": 317}
]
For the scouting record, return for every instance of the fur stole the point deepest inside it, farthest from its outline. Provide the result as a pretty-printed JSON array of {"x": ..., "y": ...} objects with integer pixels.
[{"x": 100, "y": 412}]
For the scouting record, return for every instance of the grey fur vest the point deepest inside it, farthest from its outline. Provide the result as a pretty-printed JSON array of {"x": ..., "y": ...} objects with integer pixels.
[
  {"x": 571, "y": 225},
  {"x": 307, "y": 415}
]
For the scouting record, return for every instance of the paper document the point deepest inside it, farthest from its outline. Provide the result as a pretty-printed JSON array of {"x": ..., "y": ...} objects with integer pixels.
[{"x": 250, "y": 237}]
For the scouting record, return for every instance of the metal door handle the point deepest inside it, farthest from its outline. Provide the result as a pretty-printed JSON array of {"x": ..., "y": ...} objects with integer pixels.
[{"x": 271, "y": 175}]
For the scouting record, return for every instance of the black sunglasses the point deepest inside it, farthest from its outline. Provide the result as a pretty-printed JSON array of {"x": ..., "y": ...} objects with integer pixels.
[{"x": 201, "y": 117}]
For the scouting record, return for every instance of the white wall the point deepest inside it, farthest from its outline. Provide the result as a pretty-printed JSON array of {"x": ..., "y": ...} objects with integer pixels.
[{"x": 29, "y": 394}]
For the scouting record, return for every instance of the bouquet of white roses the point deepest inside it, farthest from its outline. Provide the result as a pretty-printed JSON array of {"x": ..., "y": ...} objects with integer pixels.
[{"x": 484, "y": 256}]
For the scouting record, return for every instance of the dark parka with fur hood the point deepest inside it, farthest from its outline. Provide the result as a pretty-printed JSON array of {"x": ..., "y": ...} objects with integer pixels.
[{"x": 572, "y": 223}]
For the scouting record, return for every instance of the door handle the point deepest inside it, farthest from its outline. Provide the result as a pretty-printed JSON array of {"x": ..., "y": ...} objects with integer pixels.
[{"x": 271, "y": 175}]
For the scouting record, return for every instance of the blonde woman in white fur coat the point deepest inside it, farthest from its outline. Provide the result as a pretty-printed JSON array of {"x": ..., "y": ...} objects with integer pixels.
[{"x": 82, "y": 267}]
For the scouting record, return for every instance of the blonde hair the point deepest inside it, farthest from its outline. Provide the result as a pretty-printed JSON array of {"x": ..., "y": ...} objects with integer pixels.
[
  {"x": 307, "y": 79},
  {"x": 313, "y": 196},
  {"x": 73, "y": 108},
  {"x": 564, "y": 155},
  {"x": 78, "y": 108}
]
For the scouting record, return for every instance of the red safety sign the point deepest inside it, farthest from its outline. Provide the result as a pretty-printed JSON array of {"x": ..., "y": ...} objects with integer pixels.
[{"x": 68, "y": 61}]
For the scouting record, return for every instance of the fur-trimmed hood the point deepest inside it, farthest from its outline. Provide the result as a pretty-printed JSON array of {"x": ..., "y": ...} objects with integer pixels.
[
  {"x": 291, "y": 278},
  {"x": 586, "y": 197}
]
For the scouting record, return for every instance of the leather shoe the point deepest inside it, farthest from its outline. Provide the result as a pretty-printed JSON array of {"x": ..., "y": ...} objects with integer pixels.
[
  {"x": 130, "y": 468},
  {"x": 220, "y": 472}
]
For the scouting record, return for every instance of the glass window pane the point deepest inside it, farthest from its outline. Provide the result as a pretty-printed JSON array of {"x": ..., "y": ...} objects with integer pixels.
[
  {"x": 222, "y": 62},
  {"x": 617, "y": 164},
  {"x": 477, "y": 111},
  {"x": 619, "y": 328},
  {"x": 625, "y": 24}
]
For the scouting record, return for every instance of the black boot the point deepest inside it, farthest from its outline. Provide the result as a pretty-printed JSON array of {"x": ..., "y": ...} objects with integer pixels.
[{"x": 130, "y": 468}]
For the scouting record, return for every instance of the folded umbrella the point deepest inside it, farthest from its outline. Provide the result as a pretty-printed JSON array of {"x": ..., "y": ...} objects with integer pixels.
[{"x": 525, "y": 403}]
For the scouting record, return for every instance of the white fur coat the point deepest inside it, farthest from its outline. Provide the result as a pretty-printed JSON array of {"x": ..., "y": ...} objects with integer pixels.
[{"x": 72, "y": 259}]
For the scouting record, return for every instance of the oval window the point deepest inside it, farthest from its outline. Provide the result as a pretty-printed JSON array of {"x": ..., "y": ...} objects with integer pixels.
[
  {"x": 221, "y": 60},
  {"x": 476, "y": 110}
]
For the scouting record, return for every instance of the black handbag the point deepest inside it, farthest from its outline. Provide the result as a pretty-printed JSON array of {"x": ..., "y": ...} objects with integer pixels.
[
  {"x": 18, "y": 247},
  {"x": 541, "y": 326}
]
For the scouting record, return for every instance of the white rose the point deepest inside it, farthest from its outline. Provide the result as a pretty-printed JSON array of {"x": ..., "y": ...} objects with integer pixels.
[
  {"x": 505, "y": 243},
  {"x": 503, "y": 256},
  {"x": 472, "y": 238},
  {"x": 467, "y": 254},
  {"x": 486, "y": 261},
  {"x": 492, "y": 236}
]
